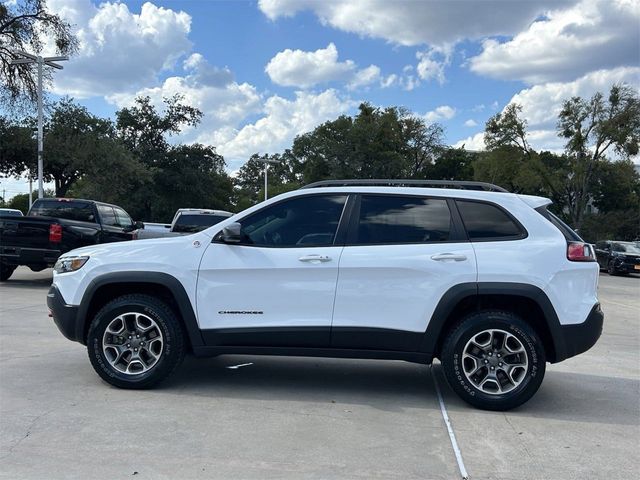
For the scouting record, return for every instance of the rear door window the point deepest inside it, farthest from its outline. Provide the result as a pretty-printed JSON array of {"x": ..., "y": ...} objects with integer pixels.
[
  {"x": 388, "y": 219},
  {"x": 485, "y": 221},
  {"x": 108, "y": 216}
]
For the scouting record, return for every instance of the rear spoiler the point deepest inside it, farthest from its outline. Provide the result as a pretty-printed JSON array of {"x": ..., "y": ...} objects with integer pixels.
[{"x": 534, "y": 201}]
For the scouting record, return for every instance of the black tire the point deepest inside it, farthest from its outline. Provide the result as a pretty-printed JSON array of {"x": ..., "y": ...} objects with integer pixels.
[
  {"x": 472, "y": 325},
  {"x": 170, "y": 356},
  {"x": 6, "y": 271},
  {"x": 611, "y": 269}
]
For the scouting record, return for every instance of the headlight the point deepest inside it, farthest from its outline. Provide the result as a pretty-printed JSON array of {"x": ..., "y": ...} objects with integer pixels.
[{"x": 69, "y": 264}]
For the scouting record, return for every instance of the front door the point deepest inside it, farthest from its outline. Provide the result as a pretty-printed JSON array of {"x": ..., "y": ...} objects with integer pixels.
[
  {"x": 277, "y": 286},
  {"x": 402, "y": 254}
]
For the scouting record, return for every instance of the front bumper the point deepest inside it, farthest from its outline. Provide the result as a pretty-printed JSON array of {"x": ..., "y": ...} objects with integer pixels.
[
  {"x": 581, "y": 337},
  {"x": 65, "y": 316}
]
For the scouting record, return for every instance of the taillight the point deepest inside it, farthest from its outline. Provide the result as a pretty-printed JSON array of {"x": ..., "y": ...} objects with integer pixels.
[
  {"x": 55, "y": 233},
  {"x": 580, "y": 252}
]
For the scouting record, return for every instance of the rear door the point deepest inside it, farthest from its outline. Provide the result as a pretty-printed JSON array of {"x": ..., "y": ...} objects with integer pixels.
[
  {"x": 112, "y": 224},
  {"x": 403, "y": 252}
]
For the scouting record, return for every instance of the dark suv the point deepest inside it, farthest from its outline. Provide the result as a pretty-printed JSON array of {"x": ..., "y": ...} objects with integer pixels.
[{"x": 618, "y": 257}]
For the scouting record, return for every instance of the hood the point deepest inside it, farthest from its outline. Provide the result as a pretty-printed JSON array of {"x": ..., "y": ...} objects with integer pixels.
[{"x": 138, "y": 246}]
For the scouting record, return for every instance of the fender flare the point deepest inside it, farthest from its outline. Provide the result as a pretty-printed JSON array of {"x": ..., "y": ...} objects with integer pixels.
[
  {"x": 458, "y": 293},
  {"x": 154, "y": 278}
]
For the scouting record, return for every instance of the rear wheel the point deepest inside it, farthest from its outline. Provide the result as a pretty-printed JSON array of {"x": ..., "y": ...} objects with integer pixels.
[
  {"x": 493, "y": 360},
  {"x": 135, "y": 341},
  {"x": 6, "y": 271}
]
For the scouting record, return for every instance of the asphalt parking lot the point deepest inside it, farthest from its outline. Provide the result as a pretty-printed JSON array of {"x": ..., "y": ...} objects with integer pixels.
[{"x": 307, "y": 418}]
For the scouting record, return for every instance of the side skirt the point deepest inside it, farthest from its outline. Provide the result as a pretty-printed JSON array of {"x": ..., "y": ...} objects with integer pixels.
[{"x": 414, "y": 357}]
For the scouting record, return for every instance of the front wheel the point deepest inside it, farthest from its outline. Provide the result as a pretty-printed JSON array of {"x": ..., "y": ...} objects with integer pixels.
[
  {"x": 135, "y": 341},
  {"x": 493, "y": 360}
]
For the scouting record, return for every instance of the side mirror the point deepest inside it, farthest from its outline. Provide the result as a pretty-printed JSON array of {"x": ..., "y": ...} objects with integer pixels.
[
  {"x": 232, "y": 233},
  {"x": 139, "y": 225}
]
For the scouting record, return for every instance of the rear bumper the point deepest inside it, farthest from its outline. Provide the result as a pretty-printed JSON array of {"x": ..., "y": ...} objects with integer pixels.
[
  {"x": 581, "y": 337},
  {"x": 64, "y": 316},
  {"x": 29, "y": 256}
]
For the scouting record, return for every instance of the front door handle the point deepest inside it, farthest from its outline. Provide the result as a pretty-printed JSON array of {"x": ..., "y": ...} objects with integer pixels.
[
  {"x": 449, "y": 256},
  {"x": 315, "y": 258}
]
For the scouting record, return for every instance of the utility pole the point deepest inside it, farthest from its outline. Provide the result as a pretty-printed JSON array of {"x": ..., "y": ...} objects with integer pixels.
[
  {"x": 23, "y": 58},
  {"x": 266, "y": 162}
]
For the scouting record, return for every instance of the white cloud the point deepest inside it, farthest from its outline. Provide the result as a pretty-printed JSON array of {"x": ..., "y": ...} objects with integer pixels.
[
  {"x": 302, "y": 69},
  {"x": 567, "y": 43},
  {"x": 367, "y": 76},
  {"x": 431, "y": 64},
  {"x": 443, "y": 112},
  {"x": 542, "y": 103},
  {"x": 120, "y": 51},
  {"x": 224, "y": 102},
  {"x": 471, "y": 123},
  {"x": 473, "y": 142},
  {"x": 410, "y": 22},
  {"x": 283, "y": 119}
]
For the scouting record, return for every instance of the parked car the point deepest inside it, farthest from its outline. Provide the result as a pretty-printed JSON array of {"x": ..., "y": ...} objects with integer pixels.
[
  {"x": 185, "y": 221},
  {"x": 191, "y": 220},
  {"x": 489, "y": 282},
  {"x": 54, "y": 226},
  {"x": 10, "y": 212},
  {"x": 618, "y": 257}
]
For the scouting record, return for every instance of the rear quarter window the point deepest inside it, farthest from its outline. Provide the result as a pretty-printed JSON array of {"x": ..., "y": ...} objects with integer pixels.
[
  {"x": 486, "y": 221},
  {"x": 569, "y": 234}
]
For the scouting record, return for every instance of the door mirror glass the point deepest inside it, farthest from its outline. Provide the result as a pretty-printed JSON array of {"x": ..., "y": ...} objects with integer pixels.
[{"x": 232, "y": 233}]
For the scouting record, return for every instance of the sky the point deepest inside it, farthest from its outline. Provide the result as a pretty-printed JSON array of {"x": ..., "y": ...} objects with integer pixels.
[{"x": 265, "y": 71}]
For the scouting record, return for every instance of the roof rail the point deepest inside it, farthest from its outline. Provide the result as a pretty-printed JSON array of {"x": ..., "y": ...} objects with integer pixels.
[{"x": 460, "y": 184}]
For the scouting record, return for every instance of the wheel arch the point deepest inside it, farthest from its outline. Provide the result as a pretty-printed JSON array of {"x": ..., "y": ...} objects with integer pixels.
[
  {"x": 527, "y": 301},
  {"x": 106, "y": 287}
]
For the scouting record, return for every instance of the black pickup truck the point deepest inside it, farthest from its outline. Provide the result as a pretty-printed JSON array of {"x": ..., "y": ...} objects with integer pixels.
[{"x": 54, "y": 226}]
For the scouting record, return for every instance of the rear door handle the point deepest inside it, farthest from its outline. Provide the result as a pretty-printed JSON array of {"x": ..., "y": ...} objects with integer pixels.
[
  {"x": 449, "y": 256},
  {"x": 315, "y": 258}
]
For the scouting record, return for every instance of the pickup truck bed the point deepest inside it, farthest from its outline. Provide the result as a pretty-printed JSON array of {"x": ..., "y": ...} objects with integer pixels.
[{"x": 37, "y": 240}]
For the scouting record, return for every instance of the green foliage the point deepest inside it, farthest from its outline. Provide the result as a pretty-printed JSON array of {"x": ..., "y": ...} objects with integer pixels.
[
  {"x": 19, "y": 202},
  {"x": 376, "y": 143},
  {"x": 27, "y": 25}
]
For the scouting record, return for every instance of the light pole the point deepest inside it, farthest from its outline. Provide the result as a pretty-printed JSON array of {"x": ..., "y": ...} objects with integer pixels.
[
  {"x": 23, "y": 58},
  {"x": 266, "y": 162}
]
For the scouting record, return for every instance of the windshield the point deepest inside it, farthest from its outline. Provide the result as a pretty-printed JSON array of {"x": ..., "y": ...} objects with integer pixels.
[{"x": 626, "y": 248}]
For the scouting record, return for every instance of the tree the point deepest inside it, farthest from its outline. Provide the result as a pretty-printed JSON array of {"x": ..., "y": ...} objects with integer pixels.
[
  {"x": 17, "y": 147},
  {"x": 249, "y": 182},
  {"x": 507, "y": 129},
  {"x": 591, "y": 128},
  {"x": 376, "y": 143},
  {"x": 144, "y": 130},
  {"x": 27, "y": 25}
]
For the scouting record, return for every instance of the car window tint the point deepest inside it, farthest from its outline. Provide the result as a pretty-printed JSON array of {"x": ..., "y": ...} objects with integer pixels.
[
  {"x": 107, "y": 216},
  {"x": 196, "y": 223},
  {"x": 388, "y": 219},
  {"x": 486, "y": 221},
  {"x": 299, "y": 222},
  {"x": 69, "y": 210},
  {"x": 122, "y": 217}
]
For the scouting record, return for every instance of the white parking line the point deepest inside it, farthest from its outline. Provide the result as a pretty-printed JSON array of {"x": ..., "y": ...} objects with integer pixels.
[{"x": 452, "y": 436}]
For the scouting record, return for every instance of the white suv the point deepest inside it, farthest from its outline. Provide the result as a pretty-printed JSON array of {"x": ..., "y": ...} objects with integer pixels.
[{"x": 489, "y": 282}]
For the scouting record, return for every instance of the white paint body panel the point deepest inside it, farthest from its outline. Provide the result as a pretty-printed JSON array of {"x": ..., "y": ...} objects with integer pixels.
[
  {"x": 397, "y": 286},
  {"x": 393, "y": 286},
  {"x": 274, "y": 281}
]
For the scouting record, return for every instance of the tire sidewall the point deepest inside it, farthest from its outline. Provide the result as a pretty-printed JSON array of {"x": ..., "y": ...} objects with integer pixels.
[
  {"x": 452, "y": 361},
  {"x": 101, "y": 364}
]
